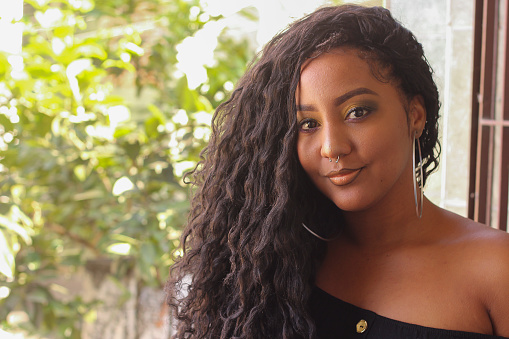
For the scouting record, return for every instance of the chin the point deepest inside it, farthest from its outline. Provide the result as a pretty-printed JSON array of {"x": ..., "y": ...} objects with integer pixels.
[{"x": 352, "y": 204}]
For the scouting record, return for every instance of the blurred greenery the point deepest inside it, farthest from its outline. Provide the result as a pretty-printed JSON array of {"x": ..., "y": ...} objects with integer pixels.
[{"x": 95, "y": 132}]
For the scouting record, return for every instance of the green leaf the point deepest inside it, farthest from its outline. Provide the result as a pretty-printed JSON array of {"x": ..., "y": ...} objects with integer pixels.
[
  {"x": 187, "y": 98},
  {"x": 250, "y": 13},
  {"x": 91, "y": 316},
  {"x": 156, "y": 112},
  {"x": 122, "y": 132},
  {"x": 203, "y": 104},
  {"x": 124, "y": 238},
  {"x": 89, "y": 50},
  {"x": 4, "y": 65},
  {"x": 92, "y": 194},
  {"x": 39, "y": 71},
  {"x": 63, "y": 31},
  {"x": 81, "y": 172},
  {"x": 132, "y": 150},
  {"x": 151, "y": 125},
  {"x": 118, "y": 64}
]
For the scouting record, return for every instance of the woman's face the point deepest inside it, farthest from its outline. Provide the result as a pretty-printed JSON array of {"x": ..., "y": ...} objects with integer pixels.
[{"x": 343, "y": 110}]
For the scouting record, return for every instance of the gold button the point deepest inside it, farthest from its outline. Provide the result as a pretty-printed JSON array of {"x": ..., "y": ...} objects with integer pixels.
[{"x": 362, "y": 326}]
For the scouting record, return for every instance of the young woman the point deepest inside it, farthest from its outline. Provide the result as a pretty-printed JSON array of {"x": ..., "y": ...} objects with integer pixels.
[{"x": 309, "y": 220}]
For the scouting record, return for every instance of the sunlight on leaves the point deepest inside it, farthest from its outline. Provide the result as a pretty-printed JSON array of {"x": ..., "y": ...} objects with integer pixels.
[
  {"x": 6, "y": 257},
  {"x": 122, "y": 185},
  {"x": 49, "y": 18},
  {"x": 119, "y": 248}
]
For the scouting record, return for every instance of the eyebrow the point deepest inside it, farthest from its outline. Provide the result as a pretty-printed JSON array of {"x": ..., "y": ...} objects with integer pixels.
[{"x": 341, "y": 99}]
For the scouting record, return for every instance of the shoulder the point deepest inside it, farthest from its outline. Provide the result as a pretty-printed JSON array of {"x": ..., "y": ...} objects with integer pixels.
[
  {"x": 493, "y": 249},
  {"x": 481, "y": 247},
  {"x": 475, "y": 238},
  {"x": 485, "y": 251}
]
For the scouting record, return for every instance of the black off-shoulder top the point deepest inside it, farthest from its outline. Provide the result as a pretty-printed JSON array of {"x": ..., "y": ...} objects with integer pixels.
[{"x": 337, "y": 319}]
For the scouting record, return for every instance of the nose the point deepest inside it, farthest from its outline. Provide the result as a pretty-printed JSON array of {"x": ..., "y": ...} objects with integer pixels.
[{"x": 335, "y": 141}]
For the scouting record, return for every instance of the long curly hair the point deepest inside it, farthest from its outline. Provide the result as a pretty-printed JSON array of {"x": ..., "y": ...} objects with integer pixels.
[{"x": 248, "y": 266}]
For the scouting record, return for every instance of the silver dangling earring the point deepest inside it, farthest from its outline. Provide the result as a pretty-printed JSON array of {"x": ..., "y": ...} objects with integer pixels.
[
  {"x": 330, "y": 160},
  {"x": 420, "y": 175},
  {"x": 337, "y": 160},
  {"x": 319, "y": 237}
]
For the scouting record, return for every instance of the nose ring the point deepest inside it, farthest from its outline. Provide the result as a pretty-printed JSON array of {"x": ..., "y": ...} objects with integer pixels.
[{"x": 337, "y": 160}]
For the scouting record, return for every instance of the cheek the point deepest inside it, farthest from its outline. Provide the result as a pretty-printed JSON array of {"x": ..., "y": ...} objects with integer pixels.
[
  {"x": 308, "y": 152},
  {"x": 304, "y": 155},
  {"x": 384, "y": 147},
  {"x": 391, "y": 148}
]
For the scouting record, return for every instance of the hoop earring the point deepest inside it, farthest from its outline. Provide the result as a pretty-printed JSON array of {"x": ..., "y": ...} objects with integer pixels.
[
  {"x": 337, "y": 160},
  {"x": 319, "y": 237},
  {"x": 420, "y": 175}
]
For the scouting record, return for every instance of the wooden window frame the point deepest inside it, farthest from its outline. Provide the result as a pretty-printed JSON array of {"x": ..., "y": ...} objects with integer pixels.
[{"x": 489, "y": 149}]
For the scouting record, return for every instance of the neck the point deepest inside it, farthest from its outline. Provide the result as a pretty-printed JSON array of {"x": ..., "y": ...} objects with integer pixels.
[{"x": 386, "y": 225}]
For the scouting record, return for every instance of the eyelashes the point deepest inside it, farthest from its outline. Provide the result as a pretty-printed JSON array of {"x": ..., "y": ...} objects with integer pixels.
[
  {"x": 308, "y": 124},
  {"x": 353, "y": 114},
  {"x": 358, "y": 112}
]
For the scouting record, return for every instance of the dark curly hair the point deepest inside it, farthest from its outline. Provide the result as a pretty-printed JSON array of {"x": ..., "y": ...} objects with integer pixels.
[{"x": 248, "y": 266}]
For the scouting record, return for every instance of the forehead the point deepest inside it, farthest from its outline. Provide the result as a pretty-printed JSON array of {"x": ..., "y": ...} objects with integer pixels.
[
  {"x": 339, "y": 70},
  {"x": 334, "y": 61},
  {"x": 342, "y": 69}
]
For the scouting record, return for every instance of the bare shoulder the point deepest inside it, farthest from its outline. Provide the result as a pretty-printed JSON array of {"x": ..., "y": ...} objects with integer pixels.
[
  {"x": 486, "y": 248},
  {"x": 493, "y": 251},
  {"x": 473, "y": 235},
  {"x": 486, "y": 252},
  {"x": 494, "y": 255}
]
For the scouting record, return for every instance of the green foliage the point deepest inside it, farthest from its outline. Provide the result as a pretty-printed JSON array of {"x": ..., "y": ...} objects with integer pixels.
[{"x": 91, "y": 169}]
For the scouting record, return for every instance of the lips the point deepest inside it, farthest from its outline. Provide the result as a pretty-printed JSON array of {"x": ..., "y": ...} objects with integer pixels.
[{"x": 344, "y": 177}]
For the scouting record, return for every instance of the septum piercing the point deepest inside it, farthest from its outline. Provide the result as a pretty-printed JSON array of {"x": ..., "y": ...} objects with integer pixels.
[{"x": 337, "y": 160}]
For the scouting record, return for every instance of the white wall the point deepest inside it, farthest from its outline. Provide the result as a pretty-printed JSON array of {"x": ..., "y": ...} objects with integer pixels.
[{"x": 445, "y": 29}]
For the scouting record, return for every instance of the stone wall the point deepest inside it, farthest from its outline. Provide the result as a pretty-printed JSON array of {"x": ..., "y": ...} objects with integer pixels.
[{"x": 125, "y": 311}]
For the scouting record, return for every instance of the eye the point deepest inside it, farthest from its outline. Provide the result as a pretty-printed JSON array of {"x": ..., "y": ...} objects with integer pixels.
[
  {"x": 308, "y": 124},
  {"x": 358, "y": 112}
]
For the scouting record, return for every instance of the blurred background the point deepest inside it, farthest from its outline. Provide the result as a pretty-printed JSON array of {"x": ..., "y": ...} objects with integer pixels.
[{"x": 105, "y": 104}]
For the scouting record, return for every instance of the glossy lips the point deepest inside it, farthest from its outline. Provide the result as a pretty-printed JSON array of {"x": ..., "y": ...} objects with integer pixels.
[{"x": 344, "y": 177}]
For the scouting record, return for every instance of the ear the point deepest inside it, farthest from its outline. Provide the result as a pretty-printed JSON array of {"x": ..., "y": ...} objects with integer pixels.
[{"x": 417, "y": 115}]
